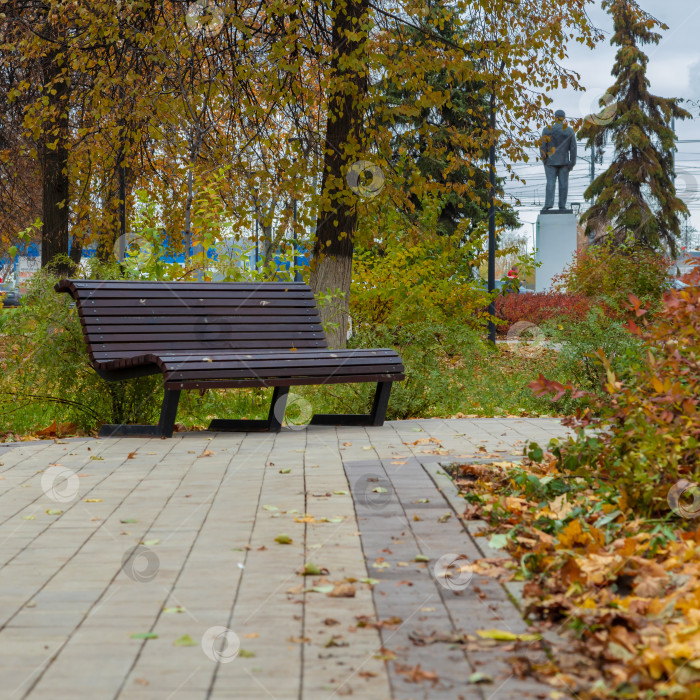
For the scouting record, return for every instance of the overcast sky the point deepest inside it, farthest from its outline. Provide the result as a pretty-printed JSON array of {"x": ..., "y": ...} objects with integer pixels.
[{"x": 674, "y": 71}]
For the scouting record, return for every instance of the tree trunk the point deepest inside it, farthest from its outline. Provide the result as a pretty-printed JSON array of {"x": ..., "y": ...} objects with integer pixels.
[
  {"x": 331, "y": 266},
  {"x": 54, "y": 166}
]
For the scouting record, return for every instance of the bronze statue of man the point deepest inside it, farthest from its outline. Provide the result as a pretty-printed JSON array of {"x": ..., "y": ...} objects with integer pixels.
[{"x": 558, "y": 151}]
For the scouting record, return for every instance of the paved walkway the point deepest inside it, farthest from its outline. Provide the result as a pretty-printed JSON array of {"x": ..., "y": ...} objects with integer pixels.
[{"x": 148, "y": 569}]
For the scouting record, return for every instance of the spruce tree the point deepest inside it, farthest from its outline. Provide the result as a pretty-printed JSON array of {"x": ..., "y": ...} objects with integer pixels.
[
  {"x": 636, "y": 195},
  {"x": 430, "y": 136}
]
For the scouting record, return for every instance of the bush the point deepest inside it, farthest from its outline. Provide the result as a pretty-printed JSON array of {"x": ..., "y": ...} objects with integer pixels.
[
  {"x": 538, "y": 308},
  {"x": 46, "y": 372},
  {"x": 647, "y": 424},
  {"x": 609, "y": 275},
  {"x": 424, "y": 348},
  {"x": 580, "y": 341},
  {"x": 430, "y": 281}
]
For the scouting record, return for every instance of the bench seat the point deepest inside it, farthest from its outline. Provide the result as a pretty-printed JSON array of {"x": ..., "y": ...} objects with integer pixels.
[{"x": 218, "y": 336}]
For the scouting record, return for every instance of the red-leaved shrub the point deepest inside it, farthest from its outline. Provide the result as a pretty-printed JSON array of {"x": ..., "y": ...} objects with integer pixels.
[{"x": 537, "y": 308}]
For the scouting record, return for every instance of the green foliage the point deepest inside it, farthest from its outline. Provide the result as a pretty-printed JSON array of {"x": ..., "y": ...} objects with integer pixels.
[
  {"x": 647, "y": 424},
  {"x": 581, "y": 340},
  {"x": 398, "y": 282},
  {"x": 609, "y": 273},
  {"x": 46, "y": 370}
]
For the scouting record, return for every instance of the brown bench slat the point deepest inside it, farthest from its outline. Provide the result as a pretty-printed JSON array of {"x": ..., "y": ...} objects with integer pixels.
[
  {"x": 195, "y": 294},
  {"x": 194, "y": 303},
  {"x": 223, "y": 373},
  {"x": 212, "y": 312},
  {"x": 146, "y": 284},
  {"x": 120, "y": 349},
  {"x": 287, "y": 364},
  {"x": 294, "y": 381},
  {"x": 93, "y": 326},
  {"x": 115, "y": 318},
  {"x": 207, "y": 335}
]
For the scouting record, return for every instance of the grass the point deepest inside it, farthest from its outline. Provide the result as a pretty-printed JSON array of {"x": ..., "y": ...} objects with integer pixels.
[{"x": 488, "y": 382}]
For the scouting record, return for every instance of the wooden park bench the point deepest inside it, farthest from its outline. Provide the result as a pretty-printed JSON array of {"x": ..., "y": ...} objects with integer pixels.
[{"x": 211, "y": 335}]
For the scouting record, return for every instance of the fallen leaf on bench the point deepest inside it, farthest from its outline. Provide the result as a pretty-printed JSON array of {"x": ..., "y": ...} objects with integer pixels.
[
  {"x": 399, "y": 462},
  {"x": 405, "y": 583},
  {"x": 297, "y": 590},
  {"x": 206, "y": 453},
  {"x": 319, "y": 589},
  {"x": 329, "y": 622},
  {"x": 335, "y": 519},
  {"x": 251, "y": 635},
  {"x": 245, "y": 654},
  {"x": 176, "y": 609},
  {"x": 421, "y": 558},
  {"x": 270, "y": 507},
  {"x": 29, "y": 517},
  {"x": 285, "y": 471},
  {"x": 444, "y": 518},
  {"x": 340, "y": 493},
  {"x": 369, "y": 581},
  {"x": 347, "y": 444},
  {"x": 367, "y": 447},
  {"x": 92, "y": 500},
  {"x": 299, "y": 640},
  {"x": 283, "y": 539},
  {"x": 380, "y": 489},
  {"x": 144, "y": 635},
  {"x": 149, "y": 543},
  {"x": 131, "y": 455},
  {"x": 423, "y": 441},
  {"x": 53, "y": 512},
  {"x": 184, "y": 641},
  {"x": 129, "y": 520}
]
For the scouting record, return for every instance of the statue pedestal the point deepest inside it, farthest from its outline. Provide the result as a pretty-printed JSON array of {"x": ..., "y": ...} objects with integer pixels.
[{"x": 555, "y": 245}]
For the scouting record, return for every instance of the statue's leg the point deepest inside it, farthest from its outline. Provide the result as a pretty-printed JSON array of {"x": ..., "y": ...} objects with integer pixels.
[
  {"x": 563, "y": 176},
  {"x": 551, "y": 173}
]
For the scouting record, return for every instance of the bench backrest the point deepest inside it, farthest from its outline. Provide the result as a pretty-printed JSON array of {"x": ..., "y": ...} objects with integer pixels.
[{"x": 124, "y": 319}]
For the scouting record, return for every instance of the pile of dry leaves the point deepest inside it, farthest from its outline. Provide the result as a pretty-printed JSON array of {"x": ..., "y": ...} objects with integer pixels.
[{"x": 623, "y": 593}]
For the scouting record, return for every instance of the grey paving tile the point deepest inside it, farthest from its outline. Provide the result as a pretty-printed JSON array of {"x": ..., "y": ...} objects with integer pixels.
[{"x": 69, "y": 609}]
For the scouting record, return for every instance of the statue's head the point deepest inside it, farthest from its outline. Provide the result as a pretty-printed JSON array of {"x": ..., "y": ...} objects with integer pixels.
[{"x": 560, "y": 115}]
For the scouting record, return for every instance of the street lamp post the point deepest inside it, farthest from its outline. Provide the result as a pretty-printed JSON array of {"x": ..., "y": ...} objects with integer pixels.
[{"x": 492, "y": 220}]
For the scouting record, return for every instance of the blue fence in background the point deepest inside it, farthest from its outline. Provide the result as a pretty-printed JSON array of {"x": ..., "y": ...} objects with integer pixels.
[{"x": 235, "y": 251}]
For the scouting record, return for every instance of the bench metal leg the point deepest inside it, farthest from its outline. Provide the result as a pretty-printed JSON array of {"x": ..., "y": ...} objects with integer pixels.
[
  {"x": 165, "y": 427},
  {"x": 273, "y": 423},
  {"x": 168, "y": 411},
  {"x": 375, "y": 418}
]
